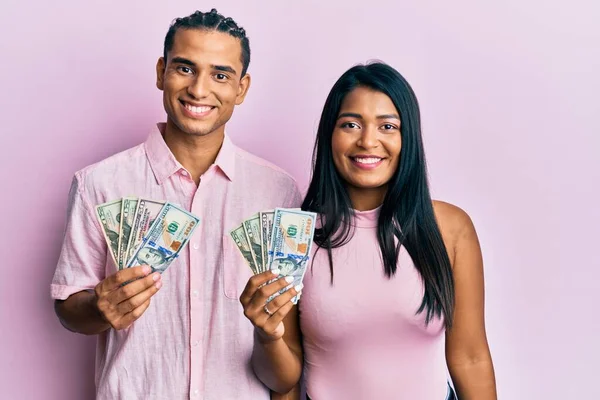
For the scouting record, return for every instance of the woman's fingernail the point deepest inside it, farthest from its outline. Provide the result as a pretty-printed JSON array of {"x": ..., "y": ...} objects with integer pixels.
[
  {"x": 146, "y": 269},
  {"x": 156, "y": 276},
  {"x": 289, "y": 279},
  {"x": 275, "y": 271},
  {"x": 158, "y": 284},
  {"x": 299, "y": 287}
]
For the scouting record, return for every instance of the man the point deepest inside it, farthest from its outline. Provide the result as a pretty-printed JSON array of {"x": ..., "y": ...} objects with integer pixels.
[{"x": 181, "y": 334}]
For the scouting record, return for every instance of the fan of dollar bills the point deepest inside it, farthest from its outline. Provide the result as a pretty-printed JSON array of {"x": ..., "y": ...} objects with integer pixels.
[
  {"x": 277, "y": 239},
  {"x": 145, "y": 232}
]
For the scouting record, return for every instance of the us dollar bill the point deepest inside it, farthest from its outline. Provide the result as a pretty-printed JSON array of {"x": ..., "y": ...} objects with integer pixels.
[
  {"x": 145, "y": 215},
  {"x": 128, "y": 207},
  {"x": 109, "y": 216},
  {"x": 252, "y": 229},
  {"x": 239, "y": 238},
  {"x": 266, "y": 230},
  {"x": 291, "y": 243},
  {"x": 167, "y": 237}
]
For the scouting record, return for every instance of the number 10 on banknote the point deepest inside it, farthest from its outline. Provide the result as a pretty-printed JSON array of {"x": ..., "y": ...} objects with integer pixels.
[
  {"x": 166, "y": 238},
  {"x": 145, "y": 232}
]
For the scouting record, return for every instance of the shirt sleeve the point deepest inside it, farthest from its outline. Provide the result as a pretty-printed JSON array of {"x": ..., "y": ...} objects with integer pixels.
[
  {"x": 82, "y": 262},
  {"x": 294, "y": 197}
]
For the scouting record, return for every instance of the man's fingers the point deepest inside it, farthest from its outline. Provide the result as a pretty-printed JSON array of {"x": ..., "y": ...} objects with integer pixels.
[
  {"x": 134, "y": 302},
  {"x": 123, "y": 276},
  {"x": 134, "y": 288},
  {"x": 129, "y": 318}
]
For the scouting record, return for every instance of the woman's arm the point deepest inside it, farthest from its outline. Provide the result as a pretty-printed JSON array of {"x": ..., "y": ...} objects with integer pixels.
[
  {"x": 294, "y": 394},
  {"x": 467, "y": 352},
  {"x": 278, "y": 364},
  {"x": 277, "y": 354}
]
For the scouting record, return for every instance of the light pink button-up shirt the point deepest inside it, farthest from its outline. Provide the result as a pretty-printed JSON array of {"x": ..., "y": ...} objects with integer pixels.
[{"x": 193, "y": 341}]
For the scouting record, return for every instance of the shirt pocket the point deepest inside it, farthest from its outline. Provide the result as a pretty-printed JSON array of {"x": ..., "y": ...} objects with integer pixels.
[{"x": 236, "y": 272}]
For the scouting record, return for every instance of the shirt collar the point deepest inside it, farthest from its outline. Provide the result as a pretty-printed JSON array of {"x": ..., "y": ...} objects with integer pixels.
[
  {"x": 164, "y": 164},
  {"x": 226, "y": 158}
]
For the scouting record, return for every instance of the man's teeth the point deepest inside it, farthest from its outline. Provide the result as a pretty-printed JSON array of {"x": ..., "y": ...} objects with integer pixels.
[
  {"x": 198, "y": 110},
  {"x": 370, "y": 160}
]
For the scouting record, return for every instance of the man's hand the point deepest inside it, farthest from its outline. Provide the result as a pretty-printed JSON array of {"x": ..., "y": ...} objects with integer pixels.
[{"x": 123, "y": 297}]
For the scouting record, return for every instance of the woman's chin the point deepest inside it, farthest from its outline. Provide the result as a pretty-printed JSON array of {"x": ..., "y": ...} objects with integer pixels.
[{"x": 368, "y": 185}]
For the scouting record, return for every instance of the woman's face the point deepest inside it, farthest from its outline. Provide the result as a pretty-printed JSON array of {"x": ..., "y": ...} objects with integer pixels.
[{"x": 366, "y": 142}]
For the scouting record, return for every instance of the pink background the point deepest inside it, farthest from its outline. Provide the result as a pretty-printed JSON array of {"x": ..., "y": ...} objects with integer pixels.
[{"x": 510, "y": 114}]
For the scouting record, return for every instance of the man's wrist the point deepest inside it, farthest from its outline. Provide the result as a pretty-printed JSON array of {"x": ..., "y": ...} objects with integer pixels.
[{"x": 92, "y": 305}]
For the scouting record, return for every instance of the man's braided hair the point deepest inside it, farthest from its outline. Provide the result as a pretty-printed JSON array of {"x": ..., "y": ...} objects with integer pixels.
[{"x": 210, "y": 21}]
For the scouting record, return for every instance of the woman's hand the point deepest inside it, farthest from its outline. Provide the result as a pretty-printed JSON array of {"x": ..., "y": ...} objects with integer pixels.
[{"x": 264, "y": 307}]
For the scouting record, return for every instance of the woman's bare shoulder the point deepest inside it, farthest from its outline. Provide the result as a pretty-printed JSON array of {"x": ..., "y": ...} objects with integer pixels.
[{"x": 454, "y": 223}]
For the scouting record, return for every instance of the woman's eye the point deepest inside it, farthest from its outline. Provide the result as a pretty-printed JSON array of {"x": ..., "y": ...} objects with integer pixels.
[
  {"x": 350, "y": 125},
  {"x": 388, "y": 127}
]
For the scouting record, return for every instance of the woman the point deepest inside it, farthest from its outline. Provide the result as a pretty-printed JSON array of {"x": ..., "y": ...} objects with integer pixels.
[{"x": 394, "y": 273}]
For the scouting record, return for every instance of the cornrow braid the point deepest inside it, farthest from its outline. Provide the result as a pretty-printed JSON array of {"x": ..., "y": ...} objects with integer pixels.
[{"x": 211, "y": 21}]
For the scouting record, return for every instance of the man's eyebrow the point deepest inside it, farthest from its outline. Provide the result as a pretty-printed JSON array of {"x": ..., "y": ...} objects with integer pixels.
[
  {"x": 181, "y": 60},
  {"x": 225, "y": 68}
]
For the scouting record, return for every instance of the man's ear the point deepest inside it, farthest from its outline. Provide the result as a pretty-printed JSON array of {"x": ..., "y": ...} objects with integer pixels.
[
  {"x": 243, "y": 89},
  {"x": 160, "y": 73}
]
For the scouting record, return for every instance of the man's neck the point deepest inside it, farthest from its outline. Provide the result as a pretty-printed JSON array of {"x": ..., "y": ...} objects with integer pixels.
[{"x": 195, "y": 153}]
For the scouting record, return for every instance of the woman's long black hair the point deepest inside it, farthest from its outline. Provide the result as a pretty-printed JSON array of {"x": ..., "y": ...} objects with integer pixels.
[{"x": 407, "y": 211}]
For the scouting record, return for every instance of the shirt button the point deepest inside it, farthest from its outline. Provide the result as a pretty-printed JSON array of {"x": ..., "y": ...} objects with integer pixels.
[
  {"x": 196, "y": 392},
  {"x": 184, "y": 173},
  {"x": 196, "y": 246},
  {"x": 196, "y": 293},
  {"x": 196, "y": 343}
]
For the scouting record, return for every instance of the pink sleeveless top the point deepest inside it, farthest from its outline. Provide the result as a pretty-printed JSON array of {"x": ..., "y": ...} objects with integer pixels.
[{"x": 361, "y": 336}]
